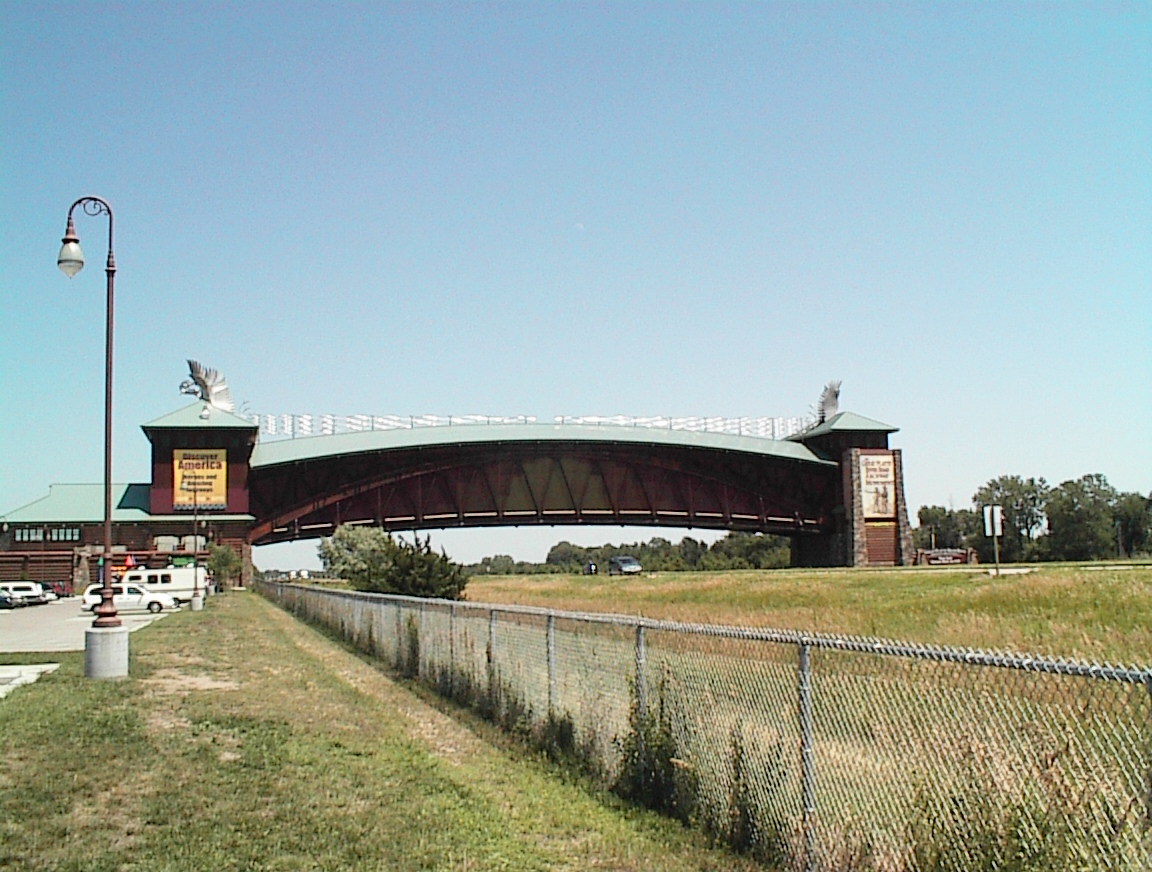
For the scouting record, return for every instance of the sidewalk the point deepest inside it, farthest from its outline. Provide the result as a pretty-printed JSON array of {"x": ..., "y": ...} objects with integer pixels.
[
  {"x": 11, "y": 677},
  {"x": 57, "y": 626}
]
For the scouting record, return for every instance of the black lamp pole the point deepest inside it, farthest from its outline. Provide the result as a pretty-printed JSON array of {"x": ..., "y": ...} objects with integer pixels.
[{"x": 71, "y": 261}]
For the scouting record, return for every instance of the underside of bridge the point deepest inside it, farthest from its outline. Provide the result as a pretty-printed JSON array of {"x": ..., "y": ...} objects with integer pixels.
[{"x": 525, "y": 482}]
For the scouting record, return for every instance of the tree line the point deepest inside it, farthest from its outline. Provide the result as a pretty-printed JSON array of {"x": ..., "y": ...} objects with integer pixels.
[
  {"x": 734, "y": 551},
  {"x": 1079, "y": 519}
]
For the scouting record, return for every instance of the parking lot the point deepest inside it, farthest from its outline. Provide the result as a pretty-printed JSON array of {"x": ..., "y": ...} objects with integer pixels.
[{"x": 56, "y": 626}]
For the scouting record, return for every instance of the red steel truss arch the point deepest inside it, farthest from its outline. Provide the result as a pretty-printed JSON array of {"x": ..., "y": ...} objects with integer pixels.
[{"x": 727, "y": 484}]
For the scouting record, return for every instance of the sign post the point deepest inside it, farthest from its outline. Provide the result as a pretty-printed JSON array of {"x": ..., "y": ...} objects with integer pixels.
[{"x": 994, "y": 527}]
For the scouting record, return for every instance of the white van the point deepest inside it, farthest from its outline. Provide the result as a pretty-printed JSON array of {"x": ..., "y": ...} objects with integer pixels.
[
  {"x": 176, "y": 581},
  {"x": 31, "y": 592}
]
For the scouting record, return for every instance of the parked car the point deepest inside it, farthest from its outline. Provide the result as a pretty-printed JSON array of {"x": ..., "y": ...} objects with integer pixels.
[
  {"x": 129, "y": 597},
  {"x": 7, "y": 601},
  {"x": 623, "y": 565},
  {"x": 57, "y": 587},
  {"x": 30, "y": 592}
]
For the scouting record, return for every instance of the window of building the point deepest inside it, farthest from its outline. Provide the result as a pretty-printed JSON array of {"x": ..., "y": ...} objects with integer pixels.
[{"x": 53, "y": 534}]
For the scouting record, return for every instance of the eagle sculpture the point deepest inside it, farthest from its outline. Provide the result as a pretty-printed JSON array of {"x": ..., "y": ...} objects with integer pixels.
[
  {"x": 829, "y": 402},
  {"x": 208, "y": 385}
]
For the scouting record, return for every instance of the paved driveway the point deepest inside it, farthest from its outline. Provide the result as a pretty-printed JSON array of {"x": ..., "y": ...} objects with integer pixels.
[{"x": 57, "y": 626}]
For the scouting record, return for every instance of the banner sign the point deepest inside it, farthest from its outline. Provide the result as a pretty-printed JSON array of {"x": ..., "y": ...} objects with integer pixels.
[
  {"x": 199, "y": 479},
  {"x": 945, "y": 556},
  {"x": 878, "y": 485}
]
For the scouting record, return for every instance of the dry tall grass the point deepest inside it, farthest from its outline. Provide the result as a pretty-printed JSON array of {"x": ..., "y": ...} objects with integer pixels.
[{"x": 1097, "y": 614}]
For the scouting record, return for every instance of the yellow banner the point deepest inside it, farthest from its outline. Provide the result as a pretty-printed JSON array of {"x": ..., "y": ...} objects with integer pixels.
[{"x": 199, "y": 478}]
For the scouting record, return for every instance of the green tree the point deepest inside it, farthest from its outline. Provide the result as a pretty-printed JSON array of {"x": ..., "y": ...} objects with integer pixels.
[
  {"x": 1023, "y": 501},
  {"x": 223, "y": 565},
  {"x": 748, "y": 551},
  {"x": 500, "y": 564},
  {"x": 359, "y": 555},
  {"x": 419, "y": 571},
  {"x": 945, "y": 528},
  {"x": 370, "y": 559},
  {"x": 690, "y": 551},
  {"x": 928, "y": 533},
  {"x": 1080, "y": 519},
  {"x": 1133, "y": 517},
  {"x": 567, "y": 556}
]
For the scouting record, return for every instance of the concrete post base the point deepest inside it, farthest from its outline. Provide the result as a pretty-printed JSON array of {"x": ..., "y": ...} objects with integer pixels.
[
  {"x": 197, "y": 603},
  {"x": 106, "y": 652}
]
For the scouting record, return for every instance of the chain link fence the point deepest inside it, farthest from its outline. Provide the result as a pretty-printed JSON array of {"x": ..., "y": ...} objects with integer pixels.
[{"x": 809, "y": 752}]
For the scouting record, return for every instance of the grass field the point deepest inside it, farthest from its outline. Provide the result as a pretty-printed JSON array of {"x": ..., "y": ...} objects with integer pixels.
[
  {"x": 246, "y": 740},
  {"x": 1093, "y": 614}
]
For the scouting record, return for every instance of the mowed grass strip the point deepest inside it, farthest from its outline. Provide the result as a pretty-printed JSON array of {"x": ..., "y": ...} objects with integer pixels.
[
  {"x": 1093, "y": 614},
  {"x": 246, "y": 740}
]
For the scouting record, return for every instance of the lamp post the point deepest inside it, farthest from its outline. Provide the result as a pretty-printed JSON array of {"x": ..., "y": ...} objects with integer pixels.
[
  {"x": 71, "y": 261},
  {"x": 197, "y": 601}
]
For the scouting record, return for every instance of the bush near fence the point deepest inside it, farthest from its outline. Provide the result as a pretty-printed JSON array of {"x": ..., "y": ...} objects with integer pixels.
[{"x": 810, "y": 752}]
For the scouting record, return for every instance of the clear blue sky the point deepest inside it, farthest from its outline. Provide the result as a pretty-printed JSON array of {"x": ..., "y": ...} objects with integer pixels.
[{"x": 543, "y": 209}]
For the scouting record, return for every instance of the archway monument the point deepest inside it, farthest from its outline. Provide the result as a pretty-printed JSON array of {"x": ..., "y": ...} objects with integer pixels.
[{"x": 835, "y": 488}]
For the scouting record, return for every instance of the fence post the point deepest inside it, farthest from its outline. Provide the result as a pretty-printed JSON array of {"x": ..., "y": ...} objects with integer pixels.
[
  {"x": 808, "y": 774},
  {"x": 422, "y": 636},
  {"x": 641, "y": 696},
  {"x": 1148, "y": 774},
  {"x": 641, "y": 707},
  {"x": 491, "y": 654},
  {"x": 551, "y": 663},
  {"x": 452, "y": 651},
  {"x": 398, "y": 657}
]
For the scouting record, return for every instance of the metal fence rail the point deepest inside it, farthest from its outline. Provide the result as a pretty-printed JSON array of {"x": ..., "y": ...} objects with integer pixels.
[{"x": 810, "y": 752}]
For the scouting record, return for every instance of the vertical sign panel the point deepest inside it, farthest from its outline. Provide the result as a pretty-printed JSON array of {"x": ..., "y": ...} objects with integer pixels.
[
  {"x": 878, "y": 485},
  {"x": 199, "y": 479},
  {"x": 993, "y": 521}
]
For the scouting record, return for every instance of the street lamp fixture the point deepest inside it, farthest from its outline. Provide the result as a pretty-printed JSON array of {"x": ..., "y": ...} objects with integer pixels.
[{"x": 71, "y": 261}]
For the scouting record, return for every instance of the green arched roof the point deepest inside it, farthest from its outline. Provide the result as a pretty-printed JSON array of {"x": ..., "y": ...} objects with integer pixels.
[{"x": 287, "y": 451}]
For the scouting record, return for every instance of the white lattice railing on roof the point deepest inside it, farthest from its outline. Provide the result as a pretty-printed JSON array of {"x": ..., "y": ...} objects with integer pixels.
[{"x": 300, "y": 426}]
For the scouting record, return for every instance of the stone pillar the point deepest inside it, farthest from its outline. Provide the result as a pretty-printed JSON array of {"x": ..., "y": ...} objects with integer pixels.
[
  {"x": 890, "y": 534},
  {"x": 245, "y": 565},
  {"x": 856, "y": 540},
  {"x": 906, "y": 551},
  {"x": 80, "y": 573}
]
